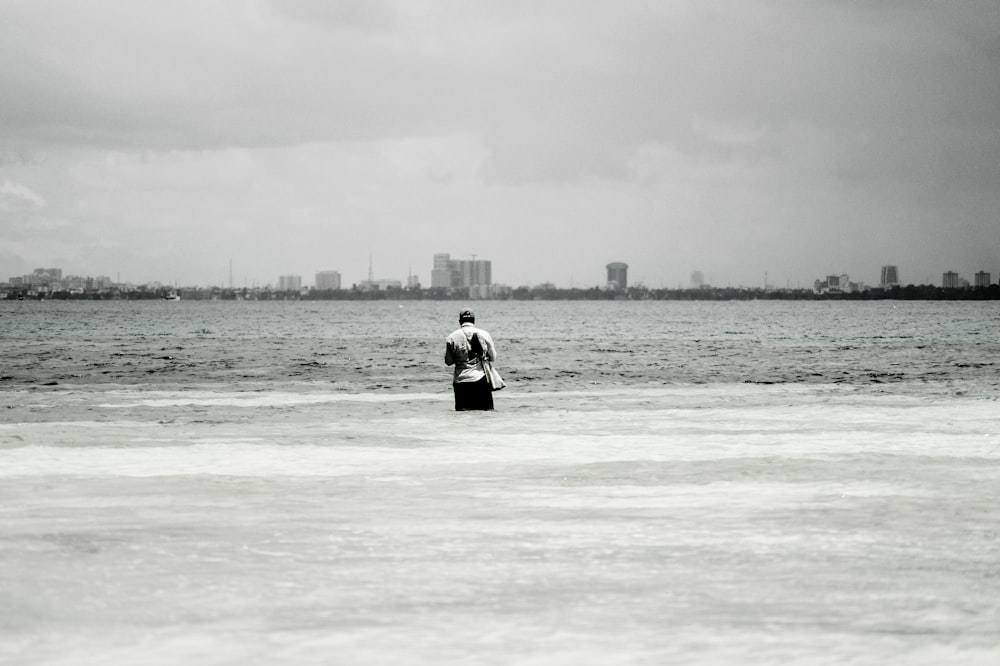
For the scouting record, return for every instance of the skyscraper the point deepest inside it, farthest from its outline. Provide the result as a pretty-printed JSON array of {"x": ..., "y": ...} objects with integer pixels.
[
  {"x": 617, "y": 275},
  {"x": 950, "y": 280},
  {"x": 982, "y": 279},
  {"x": 290, "y": 283},
  {"x": 890, "y": 276},
  {"x": 327, "y": 280},
  {"x": 441, "y": 274},
  {"x": 450, "y": 272},
  {"x": 473, "y": 272}
]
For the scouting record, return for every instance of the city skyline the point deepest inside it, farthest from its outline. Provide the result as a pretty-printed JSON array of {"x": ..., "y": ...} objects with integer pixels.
[
  {"x": 598, "y": 277},
  {"x": 740, "y": 139},
  {"x": 463, "y": 276}
]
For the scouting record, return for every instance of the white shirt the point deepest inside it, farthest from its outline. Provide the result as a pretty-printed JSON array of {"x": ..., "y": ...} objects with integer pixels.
[{"x": 456, "y": 352}]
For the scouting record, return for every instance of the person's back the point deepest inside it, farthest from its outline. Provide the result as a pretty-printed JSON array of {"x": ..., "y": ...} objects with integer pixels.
[{"x": 472, "y": 390}]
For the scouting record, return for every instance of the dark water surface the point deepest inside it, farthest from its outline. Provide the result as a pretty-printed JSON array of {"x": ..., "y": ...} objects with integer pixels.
[{"x": 398, "y": 346}]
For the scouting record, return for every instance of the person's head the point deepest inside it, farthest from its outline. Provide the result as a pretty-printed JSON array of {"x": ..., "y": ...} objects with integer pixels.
[{"x": 466, "y": 315}]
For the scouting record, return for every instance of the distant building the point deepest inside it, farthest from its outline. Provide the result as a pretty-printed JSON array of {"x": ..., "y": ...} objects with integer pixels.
[
  {"x": 373, "y": 284},
  {"x": 838, "y": 284},
  {"x": 697, "y": 279},
  {"x": 474, "y": 272},
  {"x": 48, "y": 275},
  {"x": 890, "y": 277},
  {"x": 490, "y": 291},
  {"x": 441, "y": 274},
  {"x": 951, "y": 280},
  {"x": 328, "y": 280},
  {"x": 379, "y": 285},
  {"x": 290, "y": 283},
  {"x": 43, "y": 278},
  {"x": 449, "y": 273},
  {"x": 617, "y": 275},
  {"x": 982, "y": 279}
]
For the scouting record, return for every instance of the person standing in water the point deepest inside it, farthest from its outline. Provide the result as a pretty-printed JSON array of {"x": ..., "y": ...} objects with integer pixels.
[{"x": 463, "y": 349}]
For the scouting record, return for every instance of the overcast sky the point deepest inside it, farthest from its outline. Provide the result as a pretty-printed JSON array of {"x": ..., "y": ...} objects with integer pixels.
[{"x": 160, "y": 140}]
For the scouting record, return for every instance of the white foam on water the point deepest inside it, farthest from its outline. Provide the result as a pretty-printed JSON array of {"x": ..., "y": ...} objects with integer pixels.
[
  {"x": 716, "y": 524},
  {"x": 257, "y": 399}
]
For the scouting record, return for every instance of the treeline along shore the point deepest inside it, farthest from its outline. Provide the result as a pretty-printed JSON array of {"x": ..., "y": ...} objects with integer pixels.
[{"x": 906, "y": 293}]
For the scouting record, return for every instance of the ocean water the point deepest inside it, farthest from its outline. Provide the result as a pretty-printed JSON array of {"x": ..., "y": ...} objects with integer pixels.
[{"x": 662, "y": 482}]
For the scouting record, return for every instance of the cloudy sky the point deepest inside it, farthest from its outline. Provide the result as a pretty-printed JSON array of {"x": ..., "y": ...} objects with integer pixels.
[{"x": 794, "y": 138}]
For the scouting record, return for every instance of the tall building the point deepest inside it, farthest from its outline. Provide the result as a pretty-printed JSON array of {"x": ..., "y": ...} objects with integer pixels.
[
  {"x": 617, "y": 275},
  {"x": 950, "y": 280},
  {"x": 448, "y": 272},
  {"x": 474, "y": 272},
  {"x": 290, "y": 283},
  {"x": 982, "y": 279},
  {"x": 328, "y": 280},
  {"x": 890, "y": 276},
  {"x": 44, "y": 277},
  {"x": 441, "y": 274},
  {"x": 697, "y": 279}
]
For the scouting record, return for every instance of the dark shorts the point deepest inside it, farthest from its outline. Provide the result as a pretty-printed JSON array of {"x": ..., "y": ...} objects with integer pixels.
[{"x": 473, "y": 395}]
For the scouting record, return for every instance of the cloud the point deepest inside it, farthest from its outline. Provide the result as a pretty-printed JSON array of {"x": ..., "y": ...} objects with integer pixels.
[
  {"x": 726, "y": 133},
  {"x": 15, "y": 196},
  {"x": 191, "y": 74}
]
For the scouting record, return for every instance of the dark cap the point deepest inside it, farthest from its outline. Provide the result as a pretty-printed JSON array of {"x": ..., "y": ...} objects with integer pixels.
[{"x": 466, "y": 315}]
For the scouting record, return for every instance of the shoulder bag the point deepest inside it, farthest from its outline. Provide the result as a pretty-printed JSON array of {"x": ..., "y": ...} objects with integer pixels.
[{"x": 493, "y": 377}]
